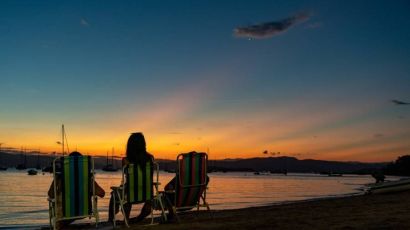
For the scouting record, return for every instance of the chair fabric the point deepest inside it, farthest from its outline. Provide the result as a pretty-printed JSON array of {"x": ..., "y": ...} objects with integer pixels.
[
  {"x": 76, "y": 186},
  {"x": 139, "y": 185},
  {"x": 191, "y": 178},
  {"x": 77, "y": 198}
]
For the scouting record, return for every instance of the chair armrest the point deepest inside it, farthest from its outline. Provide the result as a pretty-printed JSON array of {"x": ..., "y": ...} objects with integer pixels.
[{"x": 116, "y": 187}]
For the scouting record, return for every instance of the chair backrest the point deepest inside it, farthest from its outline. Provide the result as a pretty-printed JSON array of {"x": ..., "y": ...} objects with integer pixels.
[
  {"x": 139, "y": 182},
  {"x": 77, "y": 183},
  {"x": 191, "y": 178}
]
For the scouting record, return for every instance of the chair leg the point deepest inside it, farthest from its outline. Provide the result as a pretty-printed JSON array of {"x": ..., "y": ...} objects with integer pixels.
[
  {"x": 152, "y": 215},
  {"x": 123, "y": 213},
  {"x": 95, "y": 211},
  {"x": 162, "y": 208},
  {"x": 122, "y": 209},
  {"x": 113, "y": 209},
  {"x": 207, "y": 207},
  {"x": 176, "y": 214},
  {"x": 52, "y": 215}
]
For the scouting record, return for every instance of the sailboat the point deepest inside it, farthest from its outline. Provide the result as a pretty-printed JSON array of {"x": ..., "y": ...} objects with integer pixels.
[
  {"x": 32, "y": 172},
  {"x": 2, "y": 167},
  {"x": 110, "y": 167},
  {"x": 63, "y": 140},
  {"x": 49, "y": 168},
  {"x": 22, "y": 166},
  {"x": 38, "y": 167}
]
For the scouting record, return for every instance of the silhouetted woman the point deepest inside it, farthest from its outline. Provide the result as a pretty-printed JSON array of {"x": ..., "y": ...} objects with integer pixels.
[{"x": 136, "y": 153}]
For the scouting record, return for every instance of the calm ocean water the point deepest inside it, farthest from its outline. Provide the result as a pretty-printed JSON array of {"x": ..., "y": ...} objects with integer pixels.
[{"x": 23, "y": 198}]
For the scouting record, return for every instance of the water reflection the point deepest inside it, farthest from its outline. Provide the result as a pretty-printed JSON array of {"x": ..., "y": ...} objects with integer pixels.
[{"x": 23, "y": 198}]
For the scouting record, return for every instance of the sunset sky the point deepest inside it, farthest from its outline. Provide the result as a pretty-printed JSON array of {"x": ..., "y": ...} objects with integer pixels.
[{"x": 310, "y": 79}]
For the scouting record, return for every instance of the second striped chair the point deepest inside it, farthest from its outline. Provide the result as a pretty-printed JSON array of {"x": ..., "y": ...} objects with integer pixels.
[{"x": 137, "y": 187}]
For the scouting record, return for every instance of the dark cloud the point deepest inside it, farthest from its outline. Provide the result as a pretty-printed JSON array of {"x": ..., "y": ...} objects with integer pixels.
[
  {"x": 270, "y": 29},
  {"x": 378, "y": 135},
  {"x": 265, "y": 152},
  {"x": 397, "y": 102}
]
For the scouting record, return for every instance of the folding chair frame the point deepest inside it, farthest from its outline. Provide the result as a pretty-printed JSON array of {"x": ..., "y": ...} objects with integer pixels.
[
  {"x": 119, "y": 192},
  {"x": 181, "y": 186},
  {"x": 53, "y": 204}
]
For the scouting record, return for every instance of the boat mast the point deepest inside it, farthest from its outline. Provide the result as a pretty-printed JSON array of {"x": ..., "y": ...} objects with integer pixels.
[
  {"x": 62, "y": 137},
  {"x": 112, "y": 156}
]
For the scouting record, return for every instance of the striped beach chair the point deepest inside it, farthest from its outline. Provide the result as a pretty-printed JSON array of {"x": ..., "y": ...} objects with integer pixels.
[
  {"x": 191, "y": 182},
  {"x": 137, "y": 187},
  {"x": 75, "y": 177}
]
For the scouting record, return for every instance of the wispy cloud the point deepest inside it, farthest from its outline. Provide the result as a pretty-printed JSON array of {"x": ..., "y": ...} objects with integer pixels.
[
  {"x": 314, "y": 25},
  {"x": 270, "y": 29},
  {"x": 84, "y": 22}
]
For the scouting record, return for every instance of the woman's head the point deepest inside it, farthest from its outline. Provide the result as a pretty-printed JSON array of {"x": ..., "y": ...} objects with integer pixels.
[{"x": 136, "y": 149}]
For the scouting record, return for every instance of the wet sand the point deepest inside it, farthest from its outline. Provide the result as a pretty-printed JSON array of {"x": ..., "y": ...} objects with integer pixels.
[{"x": 381, "y": 211}]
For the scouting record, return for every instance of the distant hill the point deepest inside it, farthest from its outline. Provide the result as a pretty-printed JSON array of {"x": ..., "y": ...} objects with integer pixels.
[
  {"x": 289, "y": 164},
  {"x": 12, "y": 159}
]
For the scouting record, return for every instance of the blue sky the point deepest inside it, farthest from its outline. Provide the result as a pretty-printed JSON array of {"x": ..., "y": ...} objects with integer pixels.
[{"x": 175, "y": 71}]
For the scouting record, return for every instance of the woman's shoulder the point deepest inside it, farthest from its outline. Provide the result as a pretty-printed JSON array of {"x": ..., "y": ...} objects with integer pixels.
[
  {"x": 125, "y": 161},
  {"x": 150, "y": 156}
]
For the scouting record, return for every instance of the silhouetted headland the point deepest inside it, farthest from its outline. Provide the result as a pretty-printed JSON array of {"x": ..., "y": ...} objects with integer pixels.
[{"x": 270, "y": 164}]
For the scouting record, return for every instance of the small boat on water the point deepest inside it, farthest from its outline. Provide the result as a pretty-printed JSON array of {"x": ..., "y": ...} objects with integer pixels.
[
  {"x": 110, "y": 167},
  {"x": 169, "y": 170},
  {"x": 48, "y": 169},
  {"x": 389, "y": 186},
  {"x": 21, "y": 167},
  {"x": 32, "y": 172}
]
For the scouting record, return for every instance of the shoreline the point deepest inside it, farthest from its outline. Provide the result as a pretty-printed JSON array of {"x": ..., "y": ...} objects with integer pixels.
[{"x": 376, "y": 211}]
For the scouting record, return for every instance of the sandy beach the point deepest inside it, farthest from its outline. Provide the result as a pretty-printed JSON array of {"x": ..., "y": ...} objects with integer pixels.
[{"x": 381, "y": 211}]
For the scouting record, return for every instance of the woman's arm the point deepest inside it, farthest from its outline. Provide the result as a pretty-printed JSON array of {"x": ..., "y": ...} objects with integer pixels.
[
  {"x": 98, "y": 190},
  {"x": 51, "y": 190}
]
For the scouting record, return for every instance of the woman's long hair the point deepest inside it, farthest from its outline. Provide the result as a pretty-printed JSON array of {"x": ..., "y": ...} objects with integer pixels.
[{"x": 136, "y": 149}]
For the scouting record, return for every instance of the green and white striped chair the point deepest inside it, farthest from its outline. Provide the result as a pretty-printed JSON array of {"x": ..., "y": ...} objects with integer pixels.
[
  {"x": 137, "y": 187},
  {"x": 75, "y": 175}
]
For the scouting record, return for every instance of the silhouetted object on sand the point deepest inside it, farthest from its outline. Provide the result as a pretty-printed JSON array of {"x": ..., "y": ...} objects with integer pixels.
[
  {"x": 397, "y": 102},
  {"x": 389, "y": 187},
  {"x": 378, "y": 176}
]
